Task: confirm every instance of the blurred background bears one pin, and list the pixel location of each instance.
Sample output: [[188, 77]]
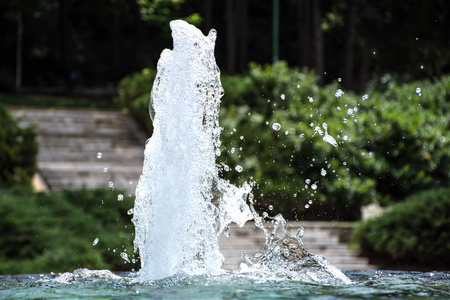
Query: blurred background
[[75, 78]]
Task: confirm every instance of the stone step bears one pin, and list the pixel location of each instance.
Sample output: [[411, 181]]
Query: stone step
[[70, 140], [320, 238]]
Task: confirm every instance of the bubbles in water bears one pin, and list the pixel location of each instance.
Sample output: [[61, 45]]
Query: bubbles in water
[[99, 155], [239, 168], [95, 242], [276, 126], [323, 172], [339, 93], [282, 96], [120, 197]]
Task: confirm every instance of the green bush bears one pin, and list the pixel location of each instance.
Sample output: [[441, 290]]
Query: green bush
[[134, 96], [18, 151], [415, 233], [391, 143], [55, 232]]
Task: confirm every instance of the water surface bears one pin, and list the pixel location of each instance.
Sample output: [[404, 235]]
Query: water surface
[[85, 284]]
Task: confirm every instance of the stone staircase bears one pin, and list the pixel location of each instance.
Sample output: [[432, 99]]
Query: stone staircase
[[71, 140], [322, 238]]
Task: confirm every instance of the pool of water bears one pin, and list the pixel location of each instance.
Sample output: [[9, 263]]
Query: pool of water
[[85, 284]]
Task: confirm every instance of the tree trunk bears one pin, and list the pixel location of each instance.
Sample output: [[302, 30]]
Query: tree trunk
[[349, 46], [317, 41], [304, 30], [243, 45], [231, 47], [208, 15], [141, 51], [63, 41], [19, 47]]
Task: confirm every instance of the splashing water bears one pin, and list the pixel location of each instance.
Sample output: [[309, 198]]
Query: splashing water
[[181, 204]]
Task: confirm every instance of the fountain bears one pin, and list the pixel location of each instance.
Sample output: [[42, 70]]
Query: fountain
[[182, 206]]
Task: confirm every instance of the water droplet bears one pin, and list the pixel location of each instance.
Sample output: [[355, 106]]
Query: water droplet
[[330, 140], [120, 197], [241, 137], [421, 67], [338, 108], [239, 168], [111, 184], [339, 79], [365, 97], [99, 155], [350, 112], [302, 135], [344, 120], [308, 181], [418, 91], [306, 205], [314, 186], [125, 257], [105, 170], [282, 96], [130, 211], [270, 207], [310, 99], [323, 172], [233, 150], [300, 232], [339, 93], [95, 242], [276, 126]]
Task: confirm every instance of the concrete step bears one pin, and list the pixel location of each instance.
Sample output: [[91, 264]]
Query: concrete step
[[320, 238], [70, 139]]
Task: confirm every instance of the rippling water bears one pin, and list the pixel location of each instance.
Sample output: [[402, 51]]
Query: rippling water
[[85, 284]]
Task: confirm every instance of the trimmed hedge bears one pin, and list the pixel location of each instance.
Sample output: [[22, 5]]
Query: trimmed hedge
[[391, 143], [55, 232], [18, 152], [414, 234]]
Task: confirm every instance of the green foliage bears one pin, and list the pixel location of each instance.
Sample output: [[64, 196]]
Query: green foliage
[[134, 96], [415, 232], [18, 151], [391, 143], [55, 232]]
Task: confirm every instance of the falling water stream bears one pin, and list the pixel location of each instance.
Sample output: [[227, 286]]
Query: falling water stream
[[182, 206]]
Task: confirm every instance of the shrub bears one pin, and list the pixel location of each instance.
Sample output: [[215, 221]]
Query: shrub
[[134, 96], [55, 232], [18, 151], [415, 232], [391, 143]]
